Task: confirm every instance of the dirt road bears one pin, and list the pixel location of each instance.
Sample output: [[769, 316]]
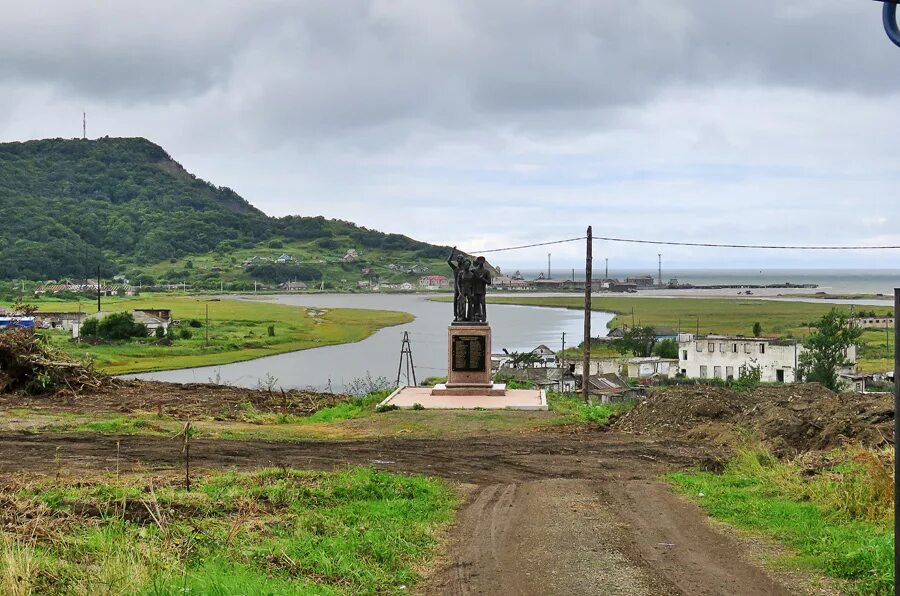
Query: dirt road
[[549, 512]]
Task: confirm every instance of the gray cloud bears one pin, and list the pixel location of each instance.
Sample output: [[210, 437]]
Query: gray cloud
[[697, 119]]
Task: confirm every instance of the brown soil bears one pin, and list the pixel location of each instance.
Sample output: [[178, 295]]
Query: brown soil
[[188, 401], [548, 512], [791, 418]]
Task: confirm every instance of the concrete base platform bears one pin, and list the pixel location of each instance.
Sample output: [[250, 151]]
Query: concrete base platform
[[514, 399], [460, 389]]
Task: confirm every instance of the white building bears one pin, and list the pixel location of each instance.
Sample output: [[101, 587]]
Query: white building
[[722, 357]]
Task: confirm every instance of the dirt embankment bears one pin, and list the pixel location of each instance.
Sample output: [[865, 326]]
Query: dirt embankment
[[188, 401], [791, 418]]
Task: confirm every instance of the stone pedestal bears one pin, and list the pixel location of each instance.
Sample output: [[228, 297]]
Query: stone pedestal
[[469, 361]]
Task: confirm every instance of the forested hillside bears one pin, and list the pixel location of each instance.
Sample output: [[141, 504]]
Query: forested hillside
[[71, 205]]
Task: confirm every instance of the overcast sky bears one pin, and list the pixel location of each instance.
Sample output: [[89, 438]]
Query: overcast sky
[[502, 122]]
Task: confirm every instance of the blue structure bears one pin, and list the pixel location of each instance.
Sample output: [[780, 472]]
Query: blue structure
[[10, 322], [889, 18]]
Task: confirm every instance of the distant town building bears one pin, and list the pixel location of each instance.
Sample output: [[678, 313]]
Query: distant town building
[[363, 284], [643, 281], [351, 256], [285, 258], [873, 322], [434, 282]]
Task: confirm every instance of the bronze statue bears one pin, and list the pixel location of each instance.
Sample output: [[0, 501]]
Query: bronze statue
[[470, 287], [482, 280]]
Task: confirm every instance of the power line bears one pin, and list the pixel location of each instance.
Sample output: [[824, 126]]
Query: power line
[[530, 245], [755, 246], [696, 244]]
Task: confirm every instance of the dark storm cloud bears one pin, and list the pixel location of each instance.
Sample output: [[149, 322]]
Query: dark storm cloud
[[352, 64]]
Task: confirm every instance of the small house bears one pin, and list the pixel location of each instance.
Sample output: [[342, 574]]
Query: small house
[[285, 258]]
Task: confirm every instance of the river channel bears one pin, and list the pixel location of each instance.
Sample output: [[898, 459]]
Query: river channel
[[515, 328]]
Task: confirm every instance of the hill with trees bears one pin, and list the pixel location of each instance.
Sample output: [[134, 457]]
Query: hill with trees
[[123, 204]]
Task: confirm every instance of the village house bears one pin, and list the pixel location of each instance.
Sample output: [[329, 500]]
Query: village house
[[546, 355], [723, 357], [611, 388], [363, 284], [350, 256], [433, 282], [598, 366], [293, 286], [650, 367], [285, 258]]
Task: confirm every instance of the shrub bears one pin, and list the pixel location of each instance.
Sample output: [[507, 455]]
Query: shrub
[[185, 333], [195, 323], [120, 325]]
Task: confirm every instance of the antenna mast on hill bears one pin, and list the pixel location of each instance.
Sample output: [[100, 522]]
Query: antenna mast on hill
[[406, 354], [83, 125]]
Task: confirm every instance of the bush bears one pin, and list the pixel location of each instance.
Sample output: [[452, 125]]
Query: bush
[[185, 333], [195, 323], [160, 332], [117, 326], [89, 328]]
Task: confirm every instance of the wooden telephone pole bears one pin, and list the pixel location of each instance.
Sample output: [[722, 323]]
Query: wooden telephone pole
[[586, 364]]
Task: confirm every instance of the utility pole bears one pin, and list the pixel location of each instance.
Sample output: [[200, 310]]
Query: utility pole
[[562, 354], [83, 125], [586, 362], [207, 324], [406, 354], [606, 273], [548, 265], [98, 289], [896, 406], [659, 255]]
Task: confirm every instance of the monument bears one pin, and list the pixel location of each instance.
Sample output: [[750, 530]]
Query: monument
[[469, 335], [469, 376]]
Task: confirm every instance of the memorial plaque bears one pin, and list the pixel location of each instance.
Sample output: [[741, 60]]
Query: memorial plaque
[[468, 353]]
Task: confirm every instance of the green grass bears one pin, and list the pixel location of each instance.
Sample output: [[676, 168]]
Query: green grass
[[838, 521], [273, 531], [238, 330], [573, 410]]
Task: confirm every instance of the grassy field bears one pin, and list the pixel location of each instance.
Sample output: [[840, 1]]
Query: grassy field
[[728, 316], [272, 531], [238, 330], [837, 519]]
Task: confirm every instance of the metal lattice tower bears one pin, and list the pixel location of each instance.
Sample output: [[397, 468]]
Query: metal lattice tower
[[407, 357]]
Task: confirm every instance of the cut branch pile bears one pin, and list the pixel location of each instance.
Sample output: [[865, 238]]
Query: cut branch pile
[[28, 363]]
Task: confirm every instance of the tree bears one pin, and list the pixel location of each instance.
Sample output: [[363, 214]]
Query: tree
[[639, 341], [523, 359], [757, 329], [826, 349], [667, 348]]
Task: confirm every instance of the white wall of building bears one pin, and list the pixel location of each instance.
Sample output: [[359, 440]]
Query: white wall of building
[[722, 357]]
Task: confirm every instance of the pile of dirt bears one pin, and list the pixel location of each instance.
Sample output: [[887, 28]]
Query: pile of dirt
[[791, 418], [29, 364], [184, 401]]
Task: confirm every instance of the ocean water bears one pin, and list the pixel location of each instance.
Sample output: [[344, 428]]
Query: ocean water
[[833, 281]]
